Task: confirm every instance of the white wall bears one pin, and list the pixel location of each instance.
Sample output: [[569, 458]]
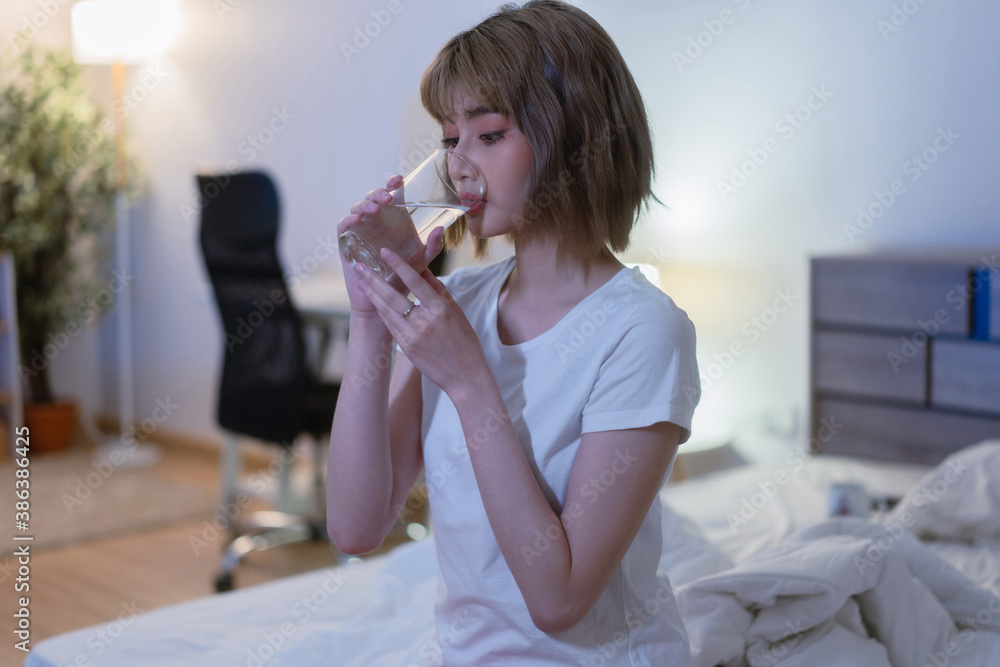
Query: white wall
[[725, 260]]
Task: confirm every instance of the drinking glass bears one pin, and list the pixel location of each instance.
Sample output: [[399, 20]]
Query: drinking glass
[[439, 191]]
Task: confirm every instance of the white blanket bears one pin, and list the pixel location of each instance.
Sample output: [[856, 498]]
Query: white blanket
[[849, 592], [881, 599]]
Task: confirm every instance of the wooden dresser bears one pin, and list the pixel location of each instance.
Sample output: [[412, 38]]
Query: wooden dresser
[[905, 353]]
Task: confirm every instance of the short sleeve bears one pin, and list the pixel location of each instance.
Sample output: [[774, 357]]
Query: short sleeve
[[650, 375]]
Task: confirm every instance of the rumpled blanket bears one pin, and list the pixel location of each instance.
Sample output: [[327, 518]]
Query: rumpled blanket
[[850, 592]]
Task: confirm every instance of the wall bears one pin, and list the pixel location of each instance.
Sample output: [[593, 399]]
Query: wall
[[774, 123]]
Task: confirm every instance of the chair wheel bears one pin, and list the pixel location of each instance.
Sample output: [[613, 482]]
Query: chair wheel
[[224, 582]]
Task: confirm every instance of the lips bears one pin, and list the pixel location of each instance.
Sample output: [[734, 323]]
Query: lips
[[474, 207]]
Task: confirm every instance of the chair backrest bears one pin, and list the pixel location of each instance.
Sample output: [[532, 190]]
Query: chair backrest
[[263, 384]]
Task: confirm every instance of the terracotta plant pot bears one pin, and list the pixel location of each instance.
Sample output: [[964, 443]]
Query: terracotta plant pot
[[51, 425]]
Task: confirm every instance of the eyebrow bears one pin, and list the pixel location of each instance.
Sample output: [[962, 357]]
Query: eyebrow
[[474, 112]]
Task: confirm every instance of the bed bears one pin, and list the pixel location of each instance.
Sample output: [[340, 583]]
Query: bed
[[762, 574], [781, 585]]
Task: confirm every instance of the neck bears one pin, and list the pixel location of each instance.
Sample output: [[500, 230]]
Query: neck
[[544, 273]]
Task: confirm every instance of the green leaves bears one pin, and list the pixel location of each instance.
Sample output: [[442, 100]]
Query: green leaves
[[56, 188]]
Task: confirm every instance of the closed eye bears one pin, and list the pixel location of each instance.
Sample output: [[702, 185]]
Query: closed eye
[[489, 139]]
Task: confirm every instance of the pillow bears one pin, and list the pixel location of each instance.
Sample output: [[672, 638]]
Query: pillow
[[959, 500]]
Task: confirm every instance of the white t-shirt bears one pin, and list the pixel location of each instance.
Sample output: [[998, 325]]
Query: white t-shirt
[[624, 357]]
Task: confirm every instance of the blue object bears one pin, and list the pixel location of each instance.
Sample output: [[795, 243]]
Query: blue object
[[980, 288]]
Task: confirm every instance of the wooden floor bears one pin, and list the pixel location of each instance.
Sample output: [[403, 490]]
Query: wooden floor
[[97, 582]]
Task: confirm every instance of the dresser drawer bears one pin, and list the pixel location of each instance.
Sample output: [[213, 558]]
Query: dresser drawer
[[896, 295], [870, 365], [966, 375], [853, 428]]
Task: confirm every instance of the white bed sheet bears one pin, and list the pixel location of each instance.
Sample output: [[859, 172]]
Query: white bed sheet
[[374, 612], [380, 611], [746, 509]]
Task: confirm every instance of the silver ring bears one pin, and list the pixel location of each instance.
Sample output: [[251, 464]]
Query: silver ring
[[412, 306]]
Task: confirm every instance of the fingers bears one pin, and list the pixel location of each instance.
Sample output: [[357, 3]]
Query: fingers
[[382, 195], [438, 235], [368, 207], [372, 203], [434, 245], [435, 283], [399, 196], [347, 222], [413, 280], [387, 300]]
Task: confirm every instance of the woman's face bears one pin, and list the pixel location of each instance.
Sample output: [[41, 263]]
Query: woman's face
[[503, 156]]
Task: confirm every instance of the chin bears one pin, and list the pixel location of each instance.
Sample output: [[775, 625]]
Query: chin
[[474, 225], [490, 224], [480, 226]]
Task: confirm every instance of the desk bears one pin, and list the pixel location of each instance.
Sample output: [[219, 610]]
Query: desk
[[322, 301], [323, 294]]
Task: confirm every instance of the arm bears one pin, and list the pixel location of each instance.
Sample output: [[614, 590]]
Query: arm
[[375, 453], [562, 564]]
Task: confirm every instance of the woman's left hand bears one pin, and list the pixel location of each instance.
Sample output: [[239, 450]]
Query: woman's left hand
[[435, 335]]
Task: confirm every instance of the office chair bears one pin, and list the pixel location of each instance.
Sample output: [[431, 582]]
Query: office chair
[[268, 390]]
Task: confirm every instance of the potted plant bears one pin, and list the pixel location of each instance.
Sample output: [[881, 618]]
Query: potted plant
[[57, 185]]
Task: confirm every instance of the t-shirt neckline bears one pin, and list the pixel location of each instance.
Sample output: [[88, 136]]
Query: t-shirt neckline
[[553, 331]]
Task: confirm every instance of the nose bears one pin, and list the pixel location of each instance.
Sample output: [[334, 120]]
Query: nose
[[467, 178]]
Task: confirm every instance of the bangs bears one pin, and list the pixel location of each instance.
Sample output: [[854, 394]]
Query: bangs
[[477, 64]]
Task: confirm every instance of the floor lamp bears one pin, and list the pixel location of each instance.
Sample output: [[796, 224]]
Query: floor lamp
[[120, 33]]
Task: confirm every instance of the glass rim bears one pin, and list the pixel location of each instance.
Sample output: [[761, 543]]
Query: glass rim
[[446, 178]]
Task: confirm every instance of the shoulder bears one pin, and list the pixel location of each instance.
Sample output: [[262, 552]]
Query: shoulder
[[643, 309]]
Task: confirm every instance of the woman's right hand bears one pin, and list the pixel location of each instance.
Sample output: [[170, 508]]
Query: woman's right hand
[[372, 206]]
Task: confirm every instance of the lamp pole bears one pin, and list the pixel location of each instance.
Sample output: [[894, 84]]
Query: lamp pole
[[118, 93], [115, 32], [136, 455], [124, 451]]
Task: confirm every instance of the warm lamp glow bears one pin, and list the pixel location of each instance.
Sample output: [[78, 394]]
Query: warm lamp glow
[[694, 208], [122, 31], [650, 272]]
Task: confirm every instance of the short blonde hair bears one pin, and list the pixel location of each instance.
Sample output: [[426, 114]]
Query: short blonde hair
[[557, 74]]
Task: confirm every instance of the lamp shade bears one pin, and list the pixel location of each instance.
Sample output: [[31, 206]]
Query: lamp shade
[[122, 31]]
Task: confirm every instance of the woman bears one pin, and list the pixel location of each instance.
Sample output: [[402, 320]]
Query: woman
[[545, 395]]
